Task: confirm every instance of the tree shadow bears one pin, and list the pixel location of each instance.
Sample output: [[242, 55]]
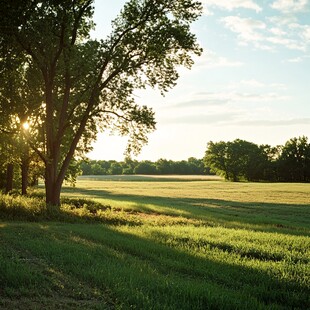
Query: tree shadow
[[270, 217], [139, 272]]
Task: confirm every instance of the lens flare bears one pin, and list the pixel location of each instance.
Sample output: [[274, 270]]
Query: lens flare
[[26, 126]]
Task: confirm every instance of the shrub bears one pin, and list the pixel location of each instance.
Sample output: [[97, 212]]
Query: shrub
[[21, 207]]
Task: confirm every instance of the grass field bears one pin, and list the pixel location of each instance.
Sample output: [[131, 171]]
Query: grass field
[[160, 243]]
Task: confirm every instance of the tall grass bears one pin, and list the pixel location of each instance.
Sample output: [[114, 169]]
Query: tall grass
[[21, 208]]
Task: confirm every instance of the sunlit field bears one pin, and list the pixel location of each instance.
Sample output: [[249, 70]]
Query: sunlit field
[[160, 243]]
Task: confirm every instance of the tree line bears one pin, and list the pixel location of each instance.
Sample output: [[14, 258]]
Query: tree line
[[192, 166], [242, 160], [237, 160]]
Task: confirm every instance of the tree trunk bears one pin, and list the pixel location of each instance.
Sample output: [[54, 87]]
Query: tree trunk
[[52, 188], [34, 181], [9, 177], [54, 171], [25, 170]]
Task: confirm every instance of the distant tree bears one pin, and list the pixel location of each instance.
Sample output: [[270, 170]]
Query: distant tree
[[96, 169], [252, 160], [294, 160], [181, 167], [74, 170], [236, 160], [270, 157], [86, 167], [235, 163], [164, 166], [145, 167], [116, 168], [216, 158], [128, 165], [105, 165], [196, 166], [128, 171]]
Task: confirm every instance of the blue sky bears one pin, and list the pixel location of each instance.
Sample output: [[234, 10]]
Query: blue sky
[[252, 81]]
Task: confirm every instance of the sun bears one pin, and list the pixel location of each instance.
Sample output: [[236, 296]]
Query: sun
[[26, 126]]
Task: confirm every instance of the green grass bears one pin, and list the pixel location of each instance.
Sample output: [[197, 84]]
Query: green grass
[[159, 243]]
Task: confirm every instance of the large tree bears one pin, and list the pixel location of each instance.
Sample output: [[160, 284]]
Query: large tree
[[88, 84], [236, 160]]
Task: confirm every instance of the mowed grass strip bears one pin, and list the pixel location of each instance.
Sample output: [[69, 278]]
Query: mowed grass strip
[[196, 255]]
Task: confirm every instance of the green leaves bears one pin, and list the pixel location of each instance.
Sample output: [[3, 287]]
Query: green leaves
[[241, 159], [151, 38], [237, 160], [89, 85], [294, 160]]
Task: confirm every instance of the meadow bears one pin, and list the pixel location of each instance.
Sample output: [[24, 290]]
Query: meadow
[[133, 242]]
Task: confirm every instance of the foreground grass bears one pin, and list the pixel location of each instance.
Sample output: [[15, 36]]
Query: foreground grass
[[160, 245]]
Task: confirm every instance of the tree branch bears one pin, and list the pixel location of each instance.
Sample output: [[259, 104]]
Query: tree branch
[[41, 155], [77, 21]]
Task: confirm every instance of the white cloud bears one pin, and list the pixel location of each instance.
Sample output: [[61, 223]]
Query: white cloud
[[255, 97], [275, 32], [249, 30], [290, 6], [217, 99], [282, 122], [288, 43], [232, 5], [290, 34], [306, 33], [209, 59], [282, 20], [298, 59], [237, 118], [303, 31], [201, 118], [278, 86], [253, 84]]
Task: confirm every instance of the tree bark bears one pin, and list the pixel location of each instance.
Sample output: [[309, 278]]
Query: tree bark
[[52, 190], [54, 175], [9, 177], [25, 170]]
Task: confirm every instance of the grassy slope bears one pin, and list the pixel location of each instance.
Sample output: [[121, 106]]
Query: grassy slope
[[187, 245]]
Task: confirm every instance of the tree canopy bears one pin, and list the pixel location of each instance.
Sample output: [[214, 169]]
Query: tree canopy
[[85, 85]]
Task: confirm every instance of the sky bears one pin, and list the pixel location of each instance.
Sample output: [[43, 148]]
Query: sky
[[252, 81]]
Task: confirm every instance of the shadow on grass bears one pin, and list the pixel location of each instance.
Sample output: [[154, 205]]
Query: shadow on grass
[[284, 218], [105, 268]]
